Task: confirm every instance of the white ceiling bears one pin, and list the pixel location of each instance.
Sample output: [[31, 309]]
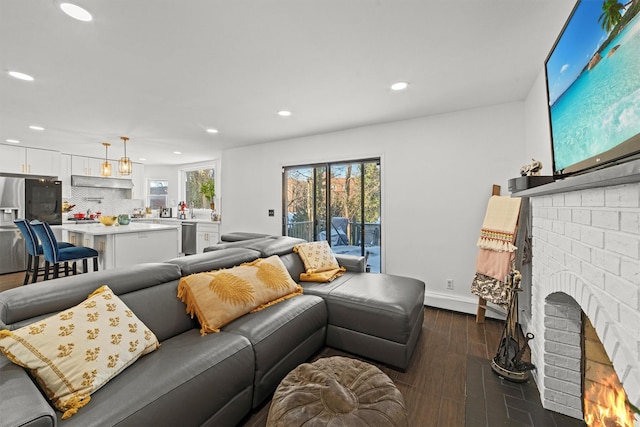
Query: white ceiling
[[162, 71]]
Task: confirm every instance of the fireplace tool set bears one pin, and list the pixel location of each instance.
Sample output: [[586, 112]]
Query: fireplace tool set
[[508, 361]]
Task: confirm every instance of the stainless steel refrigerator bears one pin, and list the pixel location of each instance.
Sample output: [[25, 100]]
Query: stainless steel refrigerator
[[12, 249]]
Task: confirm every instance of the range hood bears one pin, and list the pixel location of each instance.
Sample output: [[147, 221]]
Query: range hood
[[98, 182]]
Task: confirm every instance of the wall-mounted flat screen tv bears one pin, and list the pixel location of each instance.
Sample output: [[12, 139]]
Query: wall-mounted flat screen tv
[[593, 87]]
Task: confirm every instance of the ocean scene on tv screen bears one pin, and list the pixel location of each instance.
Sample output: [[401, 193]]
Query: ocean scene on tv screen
[[593, 78]]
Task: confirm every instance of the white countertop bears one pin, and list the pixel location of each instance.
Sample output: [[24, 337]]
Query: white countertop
[[101, 230], [143, 220]]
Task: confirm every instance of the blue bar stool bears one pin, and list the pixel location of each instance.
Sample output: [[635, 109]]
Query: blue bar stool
[[34, 250], [55, 255]]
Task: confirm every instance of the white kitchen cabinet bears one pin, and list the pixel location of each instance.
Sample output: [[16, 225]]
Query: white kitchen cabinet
[[207, 234], [141, 247], [163, 221], [120, 246], [30, 161], [65, 175], [88, 166], [137, 176]]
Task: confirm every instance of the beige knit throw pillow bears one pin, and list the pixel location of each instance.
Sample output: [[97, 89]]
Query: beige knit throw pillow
[[75, 352]]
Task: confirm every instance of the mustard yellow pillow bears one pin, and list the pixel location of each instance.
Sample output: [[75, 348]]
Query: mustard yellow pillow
[[221, 296], [75, 352], [319, 262]]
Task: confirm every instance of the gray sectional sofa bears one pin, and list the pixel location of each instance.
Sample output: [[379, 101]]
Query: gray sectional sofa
[[217, 379]]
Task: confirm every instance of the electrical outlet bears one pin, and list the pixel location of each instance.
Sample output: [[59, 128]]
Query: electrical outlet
[[450, 284]]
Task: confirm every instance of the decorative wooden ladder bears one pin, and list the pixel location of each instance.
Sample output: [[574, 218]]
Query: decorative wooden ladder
[[482, 303]]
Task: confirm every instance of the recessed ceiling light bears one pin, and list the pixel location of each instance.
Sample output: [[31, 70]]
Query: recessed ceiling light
[[76, 12], [142, 159], [36, 127], [212, 130], [21, 76], [284, 113], [13, 141], [177, 152], [399, 86]]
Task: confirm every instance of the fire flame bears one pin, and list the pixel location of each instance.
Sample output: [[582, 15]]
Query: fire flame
[[605, 405]]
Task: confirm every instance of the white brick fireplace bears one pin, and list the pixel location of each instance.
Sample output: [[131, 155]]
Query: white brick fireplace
[[586, 257]]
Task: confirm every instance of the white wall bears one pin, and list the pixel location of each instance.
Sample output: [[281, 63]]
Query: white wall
[[437, 174], [169, 173], [537, 130]]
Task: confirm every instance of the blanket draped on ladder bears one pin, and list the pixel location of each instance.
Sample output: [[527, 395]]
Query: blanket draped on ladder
[[497, 250]]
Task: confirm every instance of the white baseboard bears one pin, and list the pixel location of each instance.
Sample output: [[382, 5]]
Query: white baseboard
[[467, 305]]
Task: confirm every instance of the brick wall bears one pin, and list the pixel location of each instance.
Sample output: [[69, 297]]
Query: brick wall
[[586, 256]]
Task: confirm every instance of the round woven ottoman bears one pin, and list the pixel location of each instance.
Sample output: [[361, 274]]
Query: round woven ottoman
[[337, 391]]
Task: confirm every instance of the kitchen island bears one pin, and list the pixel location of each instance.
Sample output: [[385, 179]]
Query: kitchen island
[[124, 245]]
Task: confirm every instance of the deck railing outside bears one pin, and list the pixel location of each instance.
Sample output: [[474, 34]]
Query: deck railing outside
[[353, 236]]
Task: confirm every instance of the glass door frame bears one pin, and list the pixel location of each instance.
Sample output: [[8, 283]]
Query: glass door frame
[[317, 227]]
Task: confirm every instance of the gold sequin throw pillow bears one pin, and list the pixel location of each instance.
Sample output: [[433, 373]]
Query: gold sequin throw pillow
[[75, 352]]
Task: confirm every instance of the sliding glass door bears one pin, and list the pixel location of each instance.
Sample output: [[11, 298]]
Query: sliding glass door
[[338, 202]]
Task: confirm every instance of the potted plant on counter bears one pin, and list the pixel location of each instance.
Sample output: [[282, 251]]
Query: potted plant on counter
[[208, 190]]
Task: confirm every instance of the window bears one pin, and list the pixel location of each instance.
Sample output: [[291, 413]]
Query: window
[[193, 180], [158, 194], [338, 202]]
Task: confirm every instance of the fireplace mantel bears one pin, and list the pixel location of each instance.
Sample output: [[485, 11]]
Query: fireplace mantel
[[585, 240], [625, 173]]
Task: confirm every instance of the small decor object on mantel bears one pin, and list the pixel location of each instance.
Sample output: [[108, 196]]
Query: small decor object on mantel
[[532, 169], [529, 177]]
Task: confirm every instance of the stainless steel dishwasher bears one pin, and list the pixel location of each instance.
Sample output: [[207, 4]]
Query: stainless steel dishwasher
[[189, 238]]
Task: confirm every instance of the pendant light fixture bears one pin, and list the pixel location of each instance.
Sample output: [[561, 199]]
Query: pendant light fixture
[[105, 168], [124, 164]]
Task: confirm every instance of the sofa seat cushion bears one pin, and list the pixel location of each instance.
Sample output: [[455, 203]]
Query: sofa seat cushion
[[379, 305], [184, 382], [75, 352], [282, 336]]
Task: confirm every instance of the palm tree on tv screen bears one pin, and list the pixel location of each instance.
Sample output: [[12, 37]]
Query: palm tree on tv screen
[[611, 14]]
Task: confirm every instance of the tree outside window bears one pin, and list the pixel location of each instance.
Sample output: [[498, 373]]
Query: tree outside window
[[193, 181]]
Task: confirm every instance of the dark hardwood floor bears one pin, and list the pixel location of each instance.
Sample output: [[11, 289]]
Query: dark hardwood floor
[[12, 280], [434, 384]]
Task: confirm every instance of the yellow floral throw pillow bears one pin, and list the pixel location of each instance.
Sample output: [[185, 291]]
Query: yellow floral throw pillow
[[75, 352], [319, 262], [221, 296]]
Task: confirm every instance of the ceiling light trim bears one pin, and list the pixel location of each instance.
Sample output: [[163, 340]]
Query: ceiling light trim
[[21, 76], [76, 12], [399, 86]]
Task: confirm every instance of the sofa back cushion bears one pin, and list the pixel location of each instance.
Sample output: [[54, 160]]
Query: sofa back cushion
[[277, 246], [293, 263], [160, 309], [213, 260], [25, 304]]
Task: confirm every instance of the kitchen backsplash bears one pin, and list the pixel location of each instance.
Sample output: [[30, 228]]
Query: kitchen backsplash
[[108, 201]]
